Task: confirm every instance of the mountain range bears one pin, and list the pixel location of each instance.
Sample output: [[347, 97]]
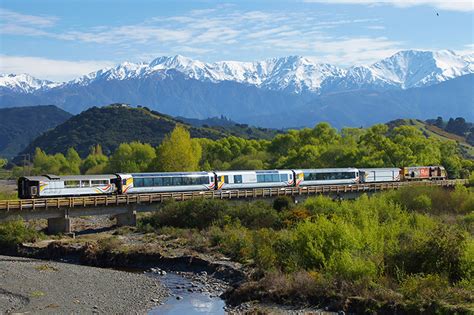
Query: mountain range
[[291, 91]]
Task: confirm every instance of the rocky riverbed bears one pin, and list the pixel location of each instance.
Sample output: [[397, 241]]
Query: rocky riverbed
[[44, 287]]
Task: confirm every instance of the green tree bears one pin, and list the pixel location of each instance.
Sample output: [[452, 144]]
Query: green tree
[[178, 152], [95, 162], [3, 162], [133, 157], [73, 161]]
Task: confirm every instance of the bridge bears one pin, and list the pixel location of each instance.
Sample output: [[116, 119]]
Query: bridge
[[58, 211]]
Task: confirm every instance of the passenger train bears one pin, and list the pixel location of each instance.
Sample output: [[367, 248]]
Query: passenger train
[[135, 183]]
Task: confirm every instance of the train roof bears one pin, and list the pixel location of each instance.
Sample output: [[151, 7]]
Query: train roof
[[48, 177], [251, 172], [380, 169], [169, 174], [324, 170]]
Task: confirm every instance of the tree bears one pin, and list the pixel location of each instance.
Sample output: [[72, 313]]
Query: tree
[[73, 161], [3, 162], [95, 162], [133, 157], [178, 152]]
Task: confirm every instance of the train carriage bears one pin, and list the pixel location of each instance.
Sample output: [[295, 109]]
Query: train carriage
[[165, 182], [328, 176], [379, 175], [70, 185], [254, 179]]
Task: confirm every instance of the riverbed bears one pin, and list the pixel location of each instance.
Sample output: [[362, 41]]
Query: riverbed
[[45, 287]]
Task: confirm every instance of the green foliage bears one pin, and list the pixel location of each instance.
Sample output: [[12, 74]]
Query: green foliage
[[177, 153], [3, 162], [188, 214], [95, 162], [133, 157], [282, 203], [57, 163], [16, 232]]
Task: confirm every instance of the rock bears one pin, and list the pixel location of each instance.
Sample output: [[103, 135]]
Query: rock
[[179, 297]]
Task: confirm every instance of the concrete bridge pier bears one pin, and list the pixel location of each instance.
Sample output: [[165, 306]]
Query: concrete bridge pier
[[59, 225], [127, 219]]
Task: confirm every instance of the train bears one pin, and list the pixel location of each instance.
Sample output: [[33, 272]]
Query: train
[[46, 186]]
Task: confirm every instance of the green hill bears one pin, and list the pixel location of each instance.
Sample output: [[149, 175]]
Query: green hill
[[118, 123], [20, 125], [430, 130]]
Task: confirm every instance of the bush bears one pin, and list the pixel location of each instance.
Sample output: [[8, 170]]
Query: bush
[[199, 214], [282, 203], [439, 252], [254, 215], [16, 232]]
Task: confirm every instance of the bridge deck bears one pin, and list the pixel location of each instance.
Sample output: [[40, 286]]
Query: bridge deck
[[141, 199]]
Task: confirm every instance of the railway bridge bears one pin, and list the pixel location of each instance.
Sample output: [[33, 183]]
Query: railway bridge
[[59, 211]]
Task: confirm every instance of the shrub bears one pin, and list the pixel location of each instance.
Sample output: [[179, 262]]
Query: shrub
[[255, 215], [199, 214], [235, 241], [16, 232], [424, 289], [439, 252], [282, 203]]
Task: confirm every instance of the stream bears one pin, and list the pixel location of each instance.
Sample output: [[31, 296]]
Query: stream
[[188, 296]]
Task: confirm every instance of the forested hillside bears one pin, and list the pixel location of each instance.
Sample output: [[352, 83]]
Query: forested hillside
[[112, 125], [20, 125]]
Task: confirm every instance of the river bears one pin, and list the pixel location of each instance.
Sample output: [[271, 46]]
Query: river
[[187, 297]]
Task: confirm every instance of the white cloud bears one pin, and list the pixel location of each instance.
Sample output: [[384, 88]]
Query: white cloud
[[51, 69], [23, 19], [456, 5], [219, 33]]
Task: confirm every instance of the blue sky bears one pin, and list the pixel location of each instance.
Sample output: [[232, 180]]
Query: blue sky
[[61, 40]]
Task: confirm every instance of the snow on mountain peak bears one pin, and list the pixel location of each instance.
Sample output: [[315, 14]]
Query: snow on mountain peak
[[294, 74], [24, 83]]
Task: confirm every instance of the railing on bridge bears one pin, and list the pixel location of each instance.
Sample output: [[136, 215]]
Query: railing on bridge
[[118, 200]]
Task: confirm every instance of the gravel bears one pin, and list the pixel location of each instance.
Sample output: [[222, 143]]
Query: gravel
[[44, 287]]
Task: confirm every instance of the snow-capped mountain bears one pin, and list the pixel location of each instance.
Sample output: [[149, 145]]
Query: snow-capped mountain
[[408, 69], [294, 74], [24, 83]]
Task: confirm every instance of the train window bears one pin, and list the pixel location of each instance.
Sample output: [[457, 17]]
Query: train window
[[166, 181], [85, 183], [283, 177], [176, 181], [187, 180], [148, 182], [96, 183], [157, 181], [291, 176], [226, 179], [275, 178], [237, 179], [203, 180], [267, 178], [138, 182], [260, 178], [71, 183]]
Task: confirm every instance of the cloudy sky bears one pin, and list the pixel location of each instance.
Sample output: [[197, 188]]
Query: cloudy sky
[[60, 40]]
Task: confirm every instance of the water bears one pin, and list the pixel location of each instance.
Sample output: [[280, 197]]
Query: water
[[191, 302]]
